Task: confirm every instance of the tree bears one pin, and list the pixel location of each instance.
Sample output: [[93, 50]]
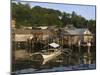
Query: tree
[[92, 26], [39, 16], [66, 19], [78, 20]]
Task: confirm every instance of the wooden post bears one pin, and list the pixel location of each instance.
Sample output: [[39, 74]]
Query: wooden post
[[79, 44], [89, 53], [30, 41], [85, 59]]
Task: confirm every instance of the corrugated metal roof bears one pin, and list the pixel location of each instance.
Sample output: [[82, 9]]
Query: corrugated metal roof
[[22, 31], [29, 31], [76, 31]]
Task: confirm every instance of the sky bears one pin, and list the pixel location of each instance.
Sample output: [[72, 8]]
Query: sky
[[86, 11]]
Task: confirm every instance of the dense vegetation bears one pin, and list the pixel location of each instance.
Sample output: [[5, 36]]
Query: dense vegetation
[[39, 16]]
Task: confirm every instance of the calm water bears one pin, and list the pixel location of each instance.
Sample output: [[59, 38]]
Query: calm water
[[58, 69], [26, 67]]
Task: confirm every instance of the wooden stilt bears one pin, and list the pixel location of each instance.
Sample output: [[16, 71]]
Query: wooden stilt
[[89, 53]]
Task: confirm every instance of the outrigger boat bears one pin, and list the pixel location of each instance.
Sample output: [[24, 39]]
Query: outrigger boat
[[41, 58]]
